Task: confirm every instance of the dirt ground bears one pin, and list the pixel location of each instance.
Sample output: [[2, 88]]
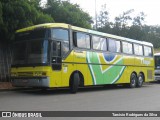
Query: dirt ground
[[5, 85]]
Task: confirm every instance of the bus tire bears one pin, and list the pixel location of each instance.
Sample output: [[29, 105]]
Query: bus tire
[[140, 80], [74, 83], [133, 80]]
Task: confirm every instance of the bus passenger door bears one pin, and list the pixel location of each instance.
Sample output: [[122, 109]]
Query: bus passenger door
[[56, 62]]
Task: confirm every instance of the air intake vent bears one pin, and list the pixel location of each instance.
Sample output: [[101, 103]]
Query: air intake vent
[[149, 74]]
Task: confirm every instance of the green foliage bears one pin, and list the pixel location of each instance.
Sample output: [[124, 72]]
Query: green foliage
[[123, 20], [1, 21], [16, 14], [19, 14], [103, 17], [63, 11], [132, 27], [139, 19]]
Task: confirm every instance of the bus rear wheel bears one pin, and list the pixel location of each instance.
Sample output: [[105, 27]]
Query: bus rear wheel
[[74, 83], [140, 80], [133, 80]]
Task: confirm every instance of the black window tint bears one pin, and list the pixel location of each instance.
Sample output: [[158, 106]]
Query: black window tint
[[32, 34], [157, 62], [54, 49], [148, 51], [112, 45], [30, 52], [60, 34], [83, 40], [19, 52], [59, 48]]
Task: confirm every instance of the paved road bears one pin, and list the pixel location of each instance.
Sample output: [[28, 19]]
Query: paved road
[[118, 98]]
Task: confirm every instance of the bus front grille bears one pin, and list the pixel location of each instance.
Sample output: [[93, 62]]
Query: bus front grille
[[25, 74]]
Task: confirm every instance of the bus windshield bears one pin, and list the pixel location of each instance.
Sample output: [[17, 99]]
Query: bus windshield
[[157, 62], [30, 50]]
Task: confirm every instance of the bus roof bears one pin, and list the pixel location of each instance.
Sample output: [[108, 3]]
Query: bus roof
[[45, 25], [64, 25], [111, 36]]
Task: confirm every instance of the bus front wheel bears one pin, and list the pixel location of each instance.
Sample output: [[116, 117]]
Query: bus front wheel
[[133, 80], [74, 83]]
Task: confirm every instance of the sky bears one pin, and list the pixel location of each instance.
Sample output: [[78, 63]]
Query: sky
[[151, 8]]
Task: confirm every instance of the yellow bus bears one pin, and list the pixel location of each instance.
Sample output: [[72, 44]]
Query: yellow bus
[[55, 55]]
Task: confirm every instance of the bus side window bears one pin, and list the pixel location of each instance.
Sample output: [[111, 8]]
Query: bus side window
[[111, 45], [138, 49], [148, 51], [56, 55], [103, 44], [65, 48], [81, 40], [62, 35], [56, 49], [118, 46], [96, 42], [127, 48], [114, 45], [99, 43]]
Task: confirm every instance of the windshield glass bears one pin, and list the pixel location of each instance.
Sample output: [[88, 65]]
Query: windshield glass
[[30, 52], [31, 35], [157, 62], [30, 48]]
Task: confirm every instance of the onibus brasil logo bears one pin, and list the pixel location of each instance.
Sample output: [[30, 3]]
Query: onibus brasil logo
[[21, 114]]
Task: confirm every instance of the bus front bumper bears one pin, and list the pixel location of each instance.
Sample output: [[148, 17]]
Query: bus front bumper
[[31, 82]]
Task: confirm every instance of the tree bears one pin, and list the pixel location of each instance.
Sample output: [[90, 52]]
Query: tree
[[20, 14], [152, 34], [139, 19], [1, 21], [122, 23], [135, 32], [103, 17], [63, 11], [123, 20]]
